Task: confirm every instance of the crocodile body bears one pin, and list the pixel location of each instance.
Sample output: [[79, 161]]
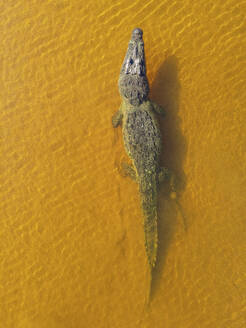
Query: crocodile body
[[142, 137]]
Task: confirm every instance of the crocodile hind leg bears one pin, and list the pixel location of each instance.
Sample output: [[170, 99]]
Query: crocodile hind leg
[[129, 170], [164, 174]]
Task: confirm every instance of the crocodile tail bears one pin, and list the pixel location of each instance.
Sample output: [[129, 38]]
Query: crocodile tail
[[149, 205]]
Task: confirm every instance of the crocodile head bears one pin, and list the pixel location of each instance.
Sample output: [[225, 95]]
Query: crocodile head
[[133, 82]]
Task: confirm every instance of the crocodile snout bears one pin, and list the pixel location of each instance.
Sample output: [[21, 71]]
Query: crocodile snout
[[133, 82], [137, 34], [134, 63]]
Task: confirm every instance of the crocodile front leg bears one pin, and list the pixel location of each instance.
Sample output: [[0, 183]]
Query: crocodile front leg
[[117, 118], [157, 108]]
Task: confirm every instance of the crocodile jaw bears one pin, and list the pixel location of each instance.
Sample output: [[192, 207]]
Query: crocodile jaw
[[133, 82]]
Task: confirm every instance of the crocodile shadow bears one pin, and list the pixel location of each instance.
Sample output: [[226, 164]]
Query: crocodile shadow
[[165, 91]]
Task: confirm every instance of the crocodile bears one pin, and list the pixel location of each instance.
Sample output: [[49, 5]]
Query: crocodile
[[142, 137]]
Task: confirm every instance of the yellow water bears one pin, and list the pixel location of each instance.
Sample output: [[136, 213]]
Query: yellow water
[[72, 245]]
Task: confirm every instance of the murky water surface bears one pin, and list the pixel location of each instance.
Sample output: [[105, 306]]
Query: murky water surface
[[72, 244]]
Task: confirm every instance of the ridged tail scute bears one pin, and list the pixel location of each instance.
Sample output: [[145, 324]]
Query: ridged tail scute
[[149, 205]]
